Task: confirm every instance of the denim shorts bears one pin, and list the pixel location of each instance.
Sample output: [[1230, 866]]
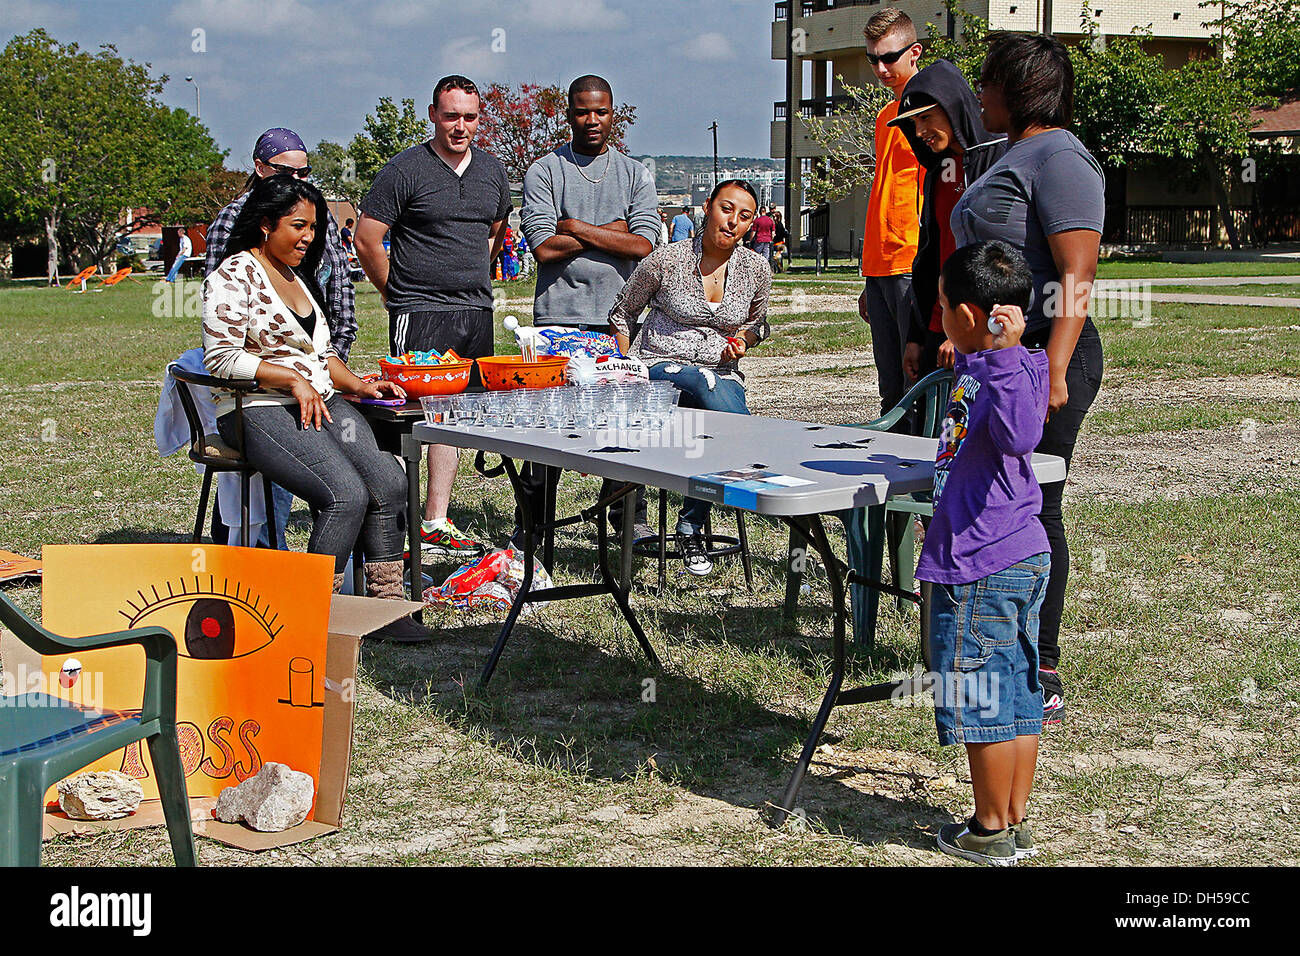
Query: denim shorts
[[984, 652]]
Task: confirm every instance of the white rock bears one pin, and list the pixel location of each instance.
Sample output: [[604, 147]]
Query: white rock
[[99, 795], [278, 798]]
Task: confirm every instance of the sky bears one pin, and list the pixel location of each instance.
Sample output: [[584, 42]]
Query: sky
[[318, 66]]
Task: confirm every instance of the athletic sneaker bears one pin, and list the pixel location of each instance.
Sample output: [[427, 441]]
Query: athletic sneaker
[[1053, 696], [1024, 837], [694, 553], [446, 538], [997, 849]]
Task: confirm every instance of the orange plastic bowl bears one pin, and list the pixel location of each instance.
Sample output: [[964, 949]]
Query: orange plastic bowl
[[503, 372], [447, 379]]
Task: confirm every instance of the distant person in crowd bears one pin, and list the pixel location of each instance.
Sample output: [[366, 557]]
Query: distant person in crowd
[[683, 225], [940, 117], [444, 205], [763, 232], [707, 304], [780, 242], [281, 151], [663, 230], [345, 235], [1046, 197], [889, 236], [183, 252], [262, 320], [590, 214]]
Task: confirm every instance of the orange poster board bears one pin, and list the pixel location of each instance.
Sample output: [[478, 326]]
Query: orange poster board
[[16, 566], [250, 627]]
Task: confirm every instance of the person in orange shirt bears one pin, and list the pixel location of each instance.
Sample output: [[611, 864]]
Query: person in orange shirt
[[889, 238]]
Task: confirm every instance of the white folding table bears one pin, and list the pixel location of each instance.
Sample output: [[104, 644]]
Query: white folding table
[[810, 470]]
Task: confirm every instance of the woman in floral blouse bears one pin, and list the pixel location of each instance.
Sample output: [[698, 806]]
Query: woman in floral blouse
[[708, 306]]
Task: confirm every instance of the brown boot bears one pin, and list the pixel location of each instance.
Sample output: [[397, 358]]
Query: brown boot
[[384, 580]]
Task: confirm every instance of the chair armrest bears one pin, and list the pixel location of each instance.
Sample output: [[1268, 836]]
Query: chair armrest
[[913, 397], [158, 644], [156, 641], [245, 385]]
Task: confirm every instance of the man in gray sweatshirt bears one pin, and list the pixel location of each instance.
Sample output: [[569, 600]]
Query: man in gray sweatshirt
[[590, 214]]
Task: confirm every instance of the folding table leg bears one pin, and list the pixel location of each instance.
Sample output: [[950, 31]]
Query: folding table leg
[[620, 593], [626, 532], [793, 578], [815, 530], [663, 538], [411, 449], [743, 539]]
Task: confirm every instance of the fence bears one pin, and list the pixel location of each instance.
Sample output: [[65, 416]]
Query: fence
[[1193, 225]]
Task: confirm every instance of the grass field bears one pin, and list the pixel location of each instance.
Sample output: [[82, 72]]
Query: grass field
[[1181, 662]]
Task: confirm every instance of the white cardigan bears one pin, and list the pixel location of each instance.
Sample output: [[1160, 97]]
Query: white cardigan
[[245, 323]]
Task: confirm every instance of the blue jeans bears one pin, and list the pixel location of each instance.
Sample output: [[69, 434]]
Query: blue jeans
[[356, 491], [727, 395], [984, 651]]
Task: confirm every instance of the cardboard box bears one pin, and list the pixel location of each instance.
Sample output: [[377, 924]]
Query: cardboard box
[[351, 619]]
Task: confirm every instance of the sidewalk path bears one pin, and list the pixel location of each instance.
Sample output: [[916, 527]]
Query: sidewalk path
[[1120, 289]]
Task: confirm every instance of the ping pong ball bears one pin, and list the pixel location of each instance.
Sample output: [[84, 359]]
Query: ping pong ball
[[511, 323]]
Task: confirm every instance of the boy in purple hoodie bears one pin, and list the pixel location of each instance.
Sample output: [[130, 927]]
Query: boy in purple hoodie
[[986, 552]]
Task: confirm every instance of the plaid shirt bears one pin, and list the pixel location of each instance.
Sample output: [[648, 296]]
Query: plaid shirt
[[333, 275]]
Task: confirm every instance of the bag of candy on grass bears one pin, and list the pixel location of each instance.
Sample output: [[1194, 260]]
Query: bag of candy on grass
[[491, 582]]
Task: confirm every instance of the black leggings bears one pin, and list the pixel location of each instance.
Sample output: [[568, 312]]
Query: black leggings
[[1083, 379], [355, 490]]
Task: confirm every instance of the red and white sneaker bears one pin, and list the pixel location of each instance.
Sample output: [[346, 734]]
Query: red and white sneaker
[[447, 539]]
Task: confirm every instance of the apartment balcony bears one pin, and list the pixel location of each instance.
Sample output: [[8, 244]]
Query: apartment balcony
[[820, 106]]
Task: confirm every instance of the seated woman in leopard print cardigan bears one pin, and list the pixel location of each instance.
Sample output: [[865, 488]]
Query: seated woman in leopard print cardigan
[[262, 320], [708, 306]]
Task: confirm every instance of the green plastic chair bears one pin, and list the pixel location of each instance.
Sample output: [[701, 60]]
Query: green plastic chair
[[44, 739], [868, 529]]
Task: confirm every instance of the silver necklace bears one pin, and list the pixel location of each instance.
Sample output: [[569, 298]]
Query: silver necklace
[[583, 172]]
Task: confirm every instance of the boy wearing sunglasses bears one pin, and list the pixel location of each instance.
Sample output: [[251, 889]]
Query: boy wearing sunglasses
[[889, 238]]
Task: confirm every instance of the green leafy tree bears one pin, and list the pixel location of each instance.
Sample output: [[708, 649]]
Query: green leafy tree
[[334, 171], [966, 51], [346, 172], [1261, 43], [848, 137], [83, 138]]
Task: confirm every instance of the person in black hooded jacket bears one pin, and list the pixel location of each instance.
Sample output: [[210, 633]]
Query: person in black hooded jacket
[[940, 116]]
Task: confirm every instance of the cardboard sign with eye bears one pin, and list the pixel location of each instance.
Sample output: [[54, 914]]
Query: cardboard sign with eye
[[250, 627]]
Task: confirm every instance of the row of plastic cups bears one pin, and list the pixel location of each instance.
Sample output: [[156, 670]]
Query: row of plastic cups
[[584, 407]]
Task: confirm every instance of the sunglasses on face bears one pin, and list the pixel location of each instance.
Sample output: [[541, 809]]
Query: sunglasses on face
[[873, 58], [302, 172]]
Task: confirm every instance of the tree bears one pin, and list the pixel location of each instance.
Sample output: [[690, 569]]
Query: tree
[[335, 172], [346, 172], [83, 137], [1260, 40], [1129, 109], [520, 124], [202, 193], [849, 138]]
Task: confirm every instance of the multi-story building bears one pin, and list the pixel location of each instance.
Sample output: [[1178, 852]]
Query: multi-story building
[[829, 46]]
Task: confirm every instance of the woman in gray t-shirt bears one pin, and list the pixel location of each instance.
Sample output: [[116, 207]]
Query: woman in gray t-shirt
[[1046, 196]]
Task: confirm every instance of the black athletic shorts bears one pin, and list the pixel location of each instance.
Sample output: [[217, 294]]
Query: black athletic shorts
[[468, 331]]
